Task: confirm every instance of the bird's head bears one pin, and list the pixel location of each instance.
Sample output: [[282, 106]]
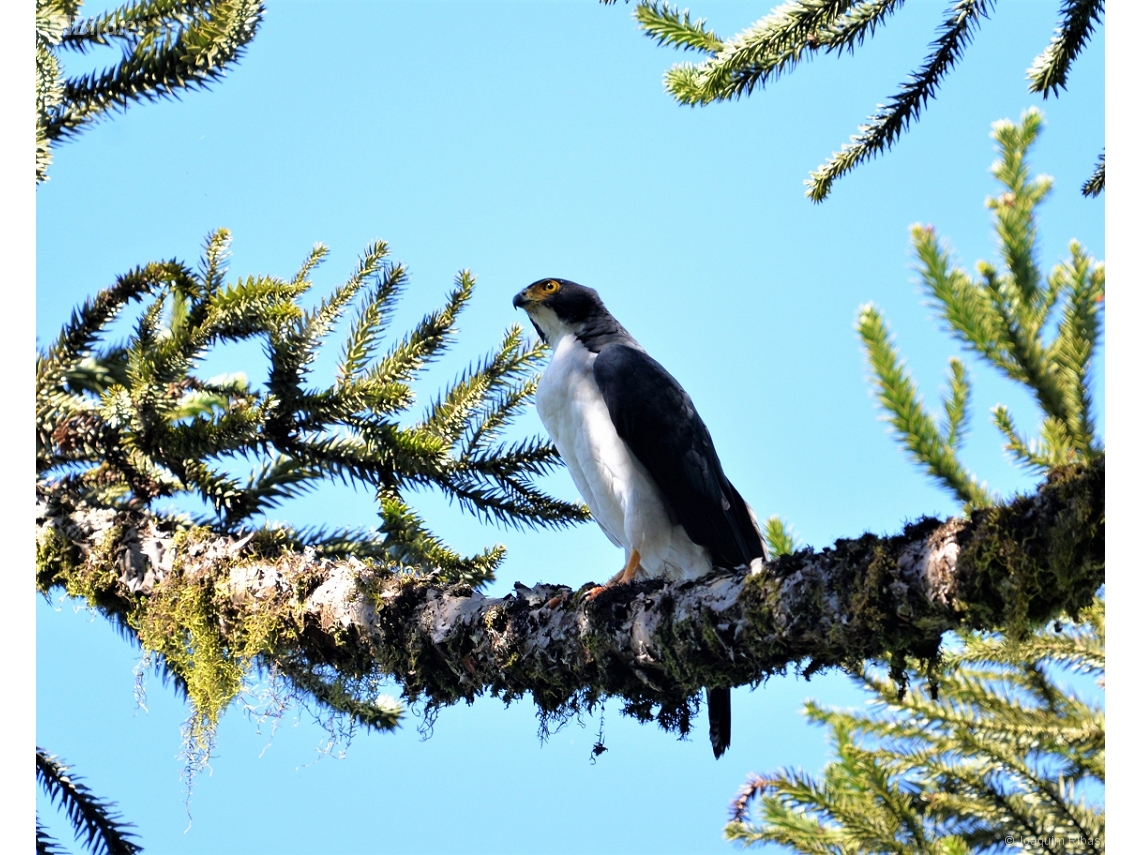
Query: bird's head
[[559, 306]]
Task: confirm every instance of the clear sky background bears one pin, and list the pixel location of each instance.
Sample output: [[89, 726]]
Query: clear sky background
[[524, 140]]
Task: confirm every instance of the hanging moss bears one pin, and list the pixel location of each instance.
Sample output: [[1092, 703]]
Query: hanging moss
[[179, 625], [205, 638]]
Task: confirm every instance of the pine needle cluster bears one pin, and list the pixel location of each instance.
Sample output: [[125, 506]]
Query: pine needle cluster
[[95, 823], [167, 46], [1039, 331], [993, 754], [797, 30], [780, 537], [126, 424]]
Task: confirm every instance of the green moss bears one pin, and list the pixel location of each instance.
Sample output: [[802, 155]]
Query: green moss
[[56, 558], [1020, 569], [178, 624], [211, 644], [495, 619], [95, 578], [874, 623]]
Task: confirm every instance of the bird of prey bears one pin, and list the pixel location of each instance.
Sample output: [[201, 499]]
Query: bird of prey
[[639, 454]]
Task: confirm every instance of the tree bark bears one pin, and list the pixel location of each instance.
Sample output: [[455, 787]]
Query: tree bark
[[653, 644]]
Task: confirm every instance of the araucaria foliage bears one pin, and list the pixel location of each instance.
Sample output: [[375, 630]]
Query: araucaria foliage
[[1040, 331], [94, 821], [995, 754], [797, 30], [167, 46], [132, 425]]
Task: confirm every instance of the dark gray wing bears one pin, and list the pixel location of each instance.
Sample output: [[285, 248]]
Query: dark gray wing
[[658, 422]]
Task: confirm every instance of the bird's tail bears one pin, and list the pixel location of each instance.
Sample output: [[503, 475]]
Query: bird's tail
[[720, 720]]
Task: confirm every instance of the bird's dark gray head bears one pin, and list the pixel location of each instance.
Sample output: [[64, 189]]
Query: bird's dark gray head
[[558, 306], [571, 302]]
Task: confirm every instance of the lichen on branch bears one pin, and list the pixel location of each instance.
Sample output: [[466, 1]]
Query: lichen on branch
[[335, 627]]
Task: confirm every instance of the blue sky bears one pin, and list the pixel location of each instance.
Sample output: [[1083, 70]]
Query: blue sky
[[523, 140]]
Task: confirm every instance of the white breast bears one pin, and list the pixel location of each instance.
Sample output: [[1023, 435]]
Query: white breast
[[620, 493]]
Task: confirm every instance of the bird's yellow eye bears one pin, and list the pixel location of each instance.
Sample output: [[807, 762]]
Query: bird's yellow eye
[[550, 287]]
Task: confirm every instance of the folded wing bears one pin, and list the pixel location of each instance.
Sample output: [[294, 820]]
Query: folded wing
[[656, 419]]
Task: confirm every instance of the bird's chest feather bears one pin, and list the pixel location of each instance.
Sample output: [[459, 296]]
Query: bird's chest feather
[[575, 414], [568, 398]]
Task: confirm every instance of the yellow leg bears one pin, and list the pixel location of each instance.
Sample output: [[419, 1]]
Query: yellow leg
[[623, 577]]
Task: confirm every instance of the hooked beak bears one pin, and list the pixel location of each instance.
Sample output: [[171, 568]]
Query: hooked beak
[[520, 300]]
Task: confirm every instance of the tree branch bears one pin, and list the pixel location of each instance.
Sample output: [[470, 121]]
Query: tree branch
[[653, 644]]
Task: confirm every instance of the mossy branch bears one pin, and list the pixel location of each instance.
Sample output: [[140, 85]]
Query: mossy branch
[[652, 644]]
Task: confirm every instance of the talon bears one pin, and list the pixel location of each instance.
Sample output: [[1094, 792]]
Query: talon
[[623, 577]]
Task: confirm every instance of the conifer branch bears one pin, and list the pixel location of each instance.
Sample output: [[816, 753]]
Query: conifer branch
[[799, 29], [167, 46], [992, 747], [81, 333], [130, 21], [934, 448], [1003, 317], [967, 309], [1050, 70], [96, 825], [653, 644], [753, 57], [956, 405], [1026, 451], [130, 424], [670, 26], [849, 31], [888, 124], [160, 63], [45, 843], [1095, 185], [779, 537], [379, 713]]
